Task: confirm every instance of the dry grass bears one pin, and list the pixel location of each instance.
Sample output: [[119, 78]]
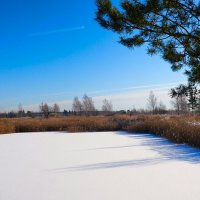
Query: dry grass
[[176, 128], [71, 124], [6, 126]]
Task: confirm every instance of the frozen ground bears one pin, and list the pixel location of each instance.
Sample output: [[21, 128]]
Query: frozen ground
[[97, 166]]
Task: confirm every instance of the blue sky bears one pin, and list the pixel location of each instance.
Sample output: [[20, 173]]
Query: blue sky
[[51, 51]]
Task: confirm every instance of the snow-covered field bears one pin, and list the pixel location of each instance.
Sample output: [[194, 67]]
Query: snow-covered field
[[97, 166]]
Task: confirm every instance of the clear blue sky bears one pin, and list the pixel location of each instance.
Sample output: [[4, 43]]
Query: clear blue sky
[[53, 50]]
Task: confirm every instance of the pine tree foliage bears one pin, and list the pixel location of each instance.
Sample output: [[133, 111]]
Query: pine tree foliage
[[191, 92], [170, 28]]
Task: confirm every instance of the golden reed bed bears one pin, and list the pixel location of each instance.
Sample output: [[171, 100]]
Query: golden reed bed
[[180, 129]]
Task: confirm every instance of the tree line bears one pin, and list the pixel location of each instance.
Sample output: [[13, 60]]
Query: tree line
[[181, 104], [79, 107], [86, 106]]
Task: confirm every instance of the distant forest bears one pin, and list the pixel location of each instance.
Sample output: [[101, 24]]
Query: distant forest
[[180, 104]]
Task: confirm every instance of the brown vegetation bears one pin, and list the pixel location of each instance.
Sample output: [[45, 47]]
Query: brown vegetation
[[181, 129], [70, 124], [178, 129]]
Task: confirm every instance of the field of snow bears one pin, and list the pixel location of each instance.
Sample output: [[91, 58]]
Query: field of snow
[[97, 166]]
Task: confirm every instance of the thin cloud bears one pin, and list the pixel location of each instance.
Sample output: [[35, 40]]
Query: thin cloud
[[64, 30], [122, 98], [120, 101], [69, 95], [138, 99], [117, 90], [165, 85]]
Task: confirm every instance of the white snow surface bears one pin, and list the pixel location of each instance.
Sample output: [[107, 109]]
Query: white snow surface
[[97, 166]]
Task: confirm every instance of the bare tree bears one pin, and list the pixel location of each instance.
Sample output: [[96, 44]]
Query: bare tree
[[184, 104], [45, 109], [20, 110], [161, 108], [88, 105], [56, 109], [77, 106], [152, 102], [107, 106], [180, 104]]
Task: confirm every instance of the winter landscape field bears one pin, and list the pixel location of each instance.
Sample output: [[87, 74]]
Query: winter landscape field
[[100, 100], [96, 166]]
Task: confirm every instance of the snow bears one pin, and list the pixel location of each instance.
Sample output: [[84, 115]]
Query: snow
[[97, 166], [195, 123]]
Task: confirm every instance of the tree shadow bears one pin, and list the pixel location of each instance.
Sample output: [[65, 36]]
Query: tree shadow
[[166, 150]]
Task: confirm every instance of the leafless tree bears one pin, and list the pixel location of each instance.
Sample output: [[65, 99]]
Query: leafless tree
[[180, 104], [56, 109], [152, 102], [45, 109], [20, 110], [107, 106], [77, 106], [161, 108], [88, 105]]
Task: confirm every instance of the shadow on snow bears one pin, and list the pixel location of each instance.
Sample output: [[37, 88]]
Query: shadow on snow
[[167, 150]]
